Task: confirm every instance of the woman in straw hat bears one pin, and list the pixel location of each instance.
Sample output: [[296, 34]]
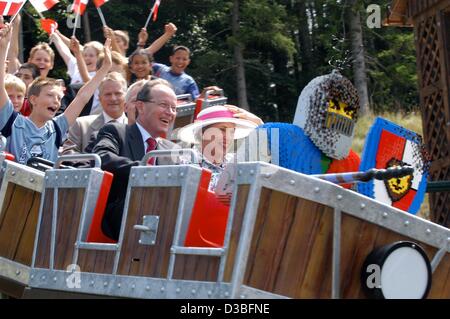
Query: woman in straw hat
[[213, 135]]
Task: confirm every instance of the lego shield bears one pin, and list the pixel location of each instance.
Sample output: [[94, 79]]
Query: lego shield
[[388, 145]]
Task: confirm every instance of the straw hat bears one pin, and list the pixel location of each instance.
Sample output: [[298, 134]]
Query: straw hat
[[213, 115]]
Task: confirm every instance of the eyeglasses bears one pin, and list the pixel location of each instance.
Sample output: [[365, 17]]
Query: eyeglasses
[[164, 105]]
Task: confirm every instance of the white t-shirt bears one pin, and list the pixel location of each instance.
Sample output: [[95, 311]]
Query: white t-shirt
[[75, 78]]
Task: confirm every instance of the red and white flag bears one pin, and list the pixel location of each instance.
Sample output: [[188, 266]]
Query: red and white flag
[[99, 3], [10, 7], [155, 9], [43, 5], [79, 6]]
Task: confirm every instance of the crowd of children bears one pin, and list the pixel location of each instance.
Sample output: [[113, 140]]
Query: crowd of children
[[36, 111]]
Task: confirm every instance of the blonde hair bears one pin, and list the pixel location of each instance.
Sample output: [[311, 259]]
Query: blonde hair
[[13, 82], [44, 47], [123, 35], [97, 46]]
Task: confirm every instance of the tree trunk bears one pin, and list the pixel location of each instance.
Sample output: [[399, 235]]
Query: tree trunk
[[359, 64], [305, 50], [239, 60]]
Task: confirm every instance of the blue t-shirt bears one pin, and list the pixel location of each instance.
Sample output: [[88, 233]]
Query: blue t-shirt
[[182, 83], [26, 140]]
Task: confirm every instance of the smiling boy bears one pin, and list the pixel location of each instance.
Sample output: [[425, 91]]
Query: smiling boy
[[41, 134], [182, 82]]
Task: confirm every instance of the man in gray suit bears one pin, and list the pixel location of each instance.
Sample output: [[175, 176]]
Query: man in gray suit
[[112, 92], [121, 146]]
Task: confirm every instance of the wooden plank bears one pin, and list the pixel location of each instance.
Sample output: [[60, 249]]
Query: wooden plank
[[96, 261], [18, 205], [70, 203], [440, 287], [203, 268], [150, 260], [45, 229], [241, 202], [287, 233], [24, 252]]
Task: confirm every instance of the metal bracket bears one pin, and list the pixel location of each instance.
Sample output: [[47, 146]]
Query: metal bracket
[[149, 230]]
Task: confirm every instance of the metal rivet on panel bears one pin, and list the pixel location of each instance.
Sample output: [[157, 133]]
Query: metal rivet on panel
[[133, 175], [316, 189], [242, 296], [339, 197], [226, 294], [267, 175], [177, 290], [181, 174], [252, 172], [292, 182], [31, 180], [76, 177], [385, 215], [147, 288], [55, 279], [363, 206], [169, 175], [157, 175], [209, 292], [43, 278], [119, 285], [92, 283], [406, 223], [17, 272], [163, 289], [240, 172], [145, 175], [133, 286], [85, 177], [105, 283], [428, 231], [66, 177], [13, 173], [194, 291]]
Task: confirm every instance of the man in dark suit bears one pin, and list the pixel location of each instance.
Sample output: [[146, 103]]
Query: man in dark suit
[[121, 147]]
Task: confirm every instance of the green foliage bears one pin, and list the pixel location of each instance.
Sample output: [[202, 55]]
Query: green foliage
[[286, 44]]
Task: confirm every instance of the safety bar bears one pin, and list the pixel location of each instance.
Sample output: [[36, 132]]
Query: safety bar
[[79, 158], [43, 164], [174, 152]]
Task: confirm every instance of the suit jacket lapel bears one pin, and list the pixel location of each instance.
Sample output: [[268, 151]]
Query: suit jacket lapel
[[135, 143]]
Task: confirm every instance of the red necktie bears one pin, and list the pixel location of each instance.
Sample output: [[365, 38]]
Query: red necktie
[[151, 146]]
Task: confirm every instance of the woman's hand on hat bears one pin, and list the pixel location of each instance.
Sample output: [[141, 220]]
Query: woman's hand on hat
[[243, 114]]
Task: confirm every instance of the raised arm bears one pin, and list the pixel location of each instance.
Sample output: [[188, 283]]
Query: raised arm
[[61, 46], [109, 33], [13, 53], [169, 30], [85, 93], [5, 38], [81, 64]]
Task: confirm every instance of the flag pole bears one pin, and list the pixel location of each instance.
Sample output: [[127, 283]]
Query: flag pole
[[77, 17], [102, 17], [149, 17], [12, 19]]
